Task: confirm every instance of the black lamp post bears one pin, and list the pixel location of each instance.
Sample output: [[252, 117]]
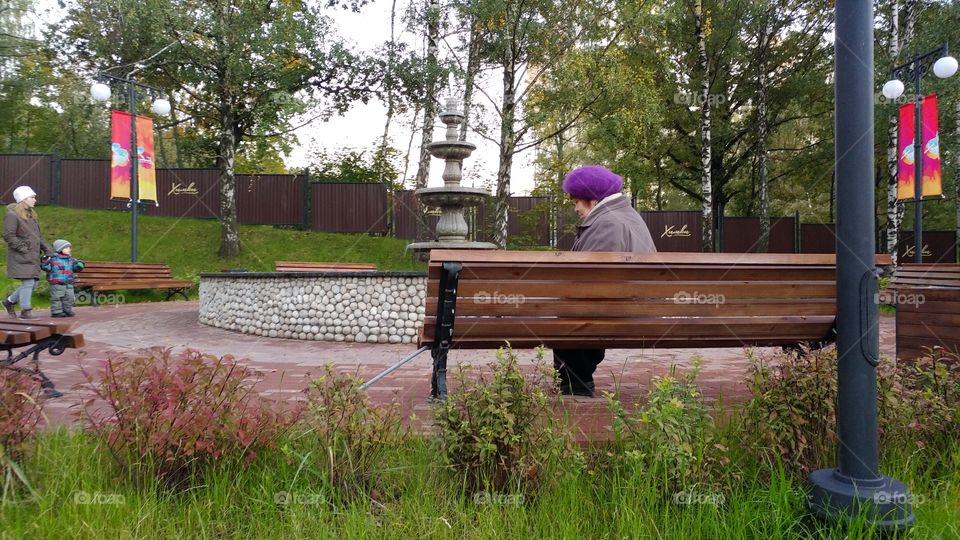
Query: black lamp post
[[855, 486], [100, 91], [944, 66]]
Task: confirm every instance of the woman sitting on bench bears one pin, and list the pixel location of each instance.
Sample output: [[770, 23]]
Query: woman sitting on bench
[[609, 223]]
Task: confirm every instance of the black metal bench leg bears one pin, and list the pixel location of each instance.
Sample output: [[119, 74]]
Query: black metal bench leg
[[438, 382], [172, 292]]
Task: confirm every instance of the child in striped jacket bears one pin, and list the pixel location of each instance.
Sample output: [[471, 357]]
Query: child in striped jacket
[[60, 268]]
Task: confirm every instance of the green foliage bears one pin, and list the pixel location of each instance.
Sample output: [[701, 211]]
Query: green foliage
[[791, 415], [498, 432], [671, 436], [348, 165], [347, 436], [920, 400]]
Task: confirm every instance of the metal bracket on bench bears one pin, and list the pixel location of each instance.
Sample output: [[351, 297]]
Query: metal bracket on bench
[[182, 291], [55, 348], [446, 308]]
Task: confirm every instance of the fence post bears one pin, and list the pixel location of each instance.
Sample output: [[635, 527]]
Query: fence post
[[55, 164], [796, 232], [307, 200]]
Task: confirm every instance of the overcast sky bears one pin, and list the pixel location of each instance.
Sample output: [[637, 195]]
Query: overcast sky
[[362, 126]]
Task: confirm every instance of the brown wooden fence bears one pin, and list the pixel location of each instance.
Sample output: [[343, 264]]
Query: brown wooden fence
[[32, 170], [362, 208]]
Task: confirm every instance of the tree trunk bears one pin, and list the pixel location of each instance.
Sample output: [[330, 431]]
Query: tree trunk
[[385, 139], [507, 146], [763, 245], [226, 154], [429, 111], [894, 210], [956, 172], [473, 63], [659, 168], [705, 149]]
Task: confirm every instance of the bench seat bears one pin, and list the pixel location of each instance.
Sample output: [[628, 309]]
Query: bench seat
[[118, 276], [927, 298], [486, 299], [34, 337]]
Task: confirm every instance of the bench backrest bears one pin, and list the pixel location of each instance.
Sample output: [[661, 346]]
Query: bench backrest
[[293, 266], [98, 272], [914, 276], [634, 300]]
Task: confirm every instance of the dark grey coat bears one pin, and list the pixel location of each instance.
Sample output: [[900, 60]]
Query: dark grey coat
[[24, 245], [614, 226]]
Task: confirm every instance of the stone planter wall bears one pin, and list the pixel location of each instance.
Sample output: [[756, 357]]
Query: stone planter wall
[[378, 307]]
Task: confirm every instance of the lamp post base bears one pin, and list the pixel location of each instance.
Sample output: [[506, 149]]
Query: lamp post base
[[886, 501]]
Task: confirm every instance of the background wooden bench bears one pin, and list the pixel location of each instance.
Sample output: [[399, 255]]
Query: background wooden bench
[[120, 276], [36, 337], [483, 299], [288, 266], [927, 297]]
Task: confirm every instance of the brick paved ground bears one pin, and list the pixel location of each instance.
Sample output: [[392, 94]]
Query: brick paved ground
[[287, 363]]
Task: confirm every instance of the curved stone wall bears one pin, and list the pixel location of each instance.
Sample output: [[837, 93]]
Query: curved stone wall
[[380, 307]]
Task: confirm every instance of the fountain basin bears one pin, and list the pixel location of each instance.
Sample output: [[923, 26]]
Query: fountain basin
[[452, 196], [363, 307], [455, 150]]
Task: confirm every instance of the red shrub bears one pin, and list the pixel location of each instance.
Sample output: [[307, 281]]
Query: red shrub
[[174, 417], [20, 414]]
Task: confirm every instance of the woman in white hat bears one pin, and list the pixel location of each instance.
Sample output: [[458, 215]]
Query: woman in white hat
[[25, 246]]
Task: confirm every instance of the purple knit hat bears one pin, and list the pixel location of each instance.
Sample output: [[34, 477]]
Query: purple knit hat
[[592, 182]]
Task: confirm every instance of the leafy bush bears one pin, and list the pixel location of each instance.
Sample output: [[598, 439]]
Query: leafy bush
[[349, 437], [920, 399], [791, 416], [173, 418], [20, 416], [670, 436], [498, 430]]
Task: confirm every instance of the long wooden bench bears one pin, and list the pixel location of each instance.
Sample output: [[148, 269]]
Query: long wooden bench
[[121, 276], [485, 299], [927, 297], [292, 266], [35, 337]]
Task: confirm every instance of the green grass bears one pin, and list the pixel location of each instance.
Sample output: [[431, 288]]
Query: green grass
[[190, 246], [423, 500]]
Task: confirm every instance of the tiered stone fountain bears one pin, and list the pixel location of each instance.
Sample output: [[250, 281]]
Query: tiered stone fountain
[[452, 198]]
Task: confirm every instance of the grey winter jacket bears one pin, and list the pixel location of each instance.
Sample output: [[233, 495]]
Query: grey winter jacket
[[614, 226], [24, 245]]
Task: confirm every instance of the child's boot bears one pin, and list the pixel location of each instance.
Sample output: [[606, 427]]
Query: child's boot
[[8, 305]]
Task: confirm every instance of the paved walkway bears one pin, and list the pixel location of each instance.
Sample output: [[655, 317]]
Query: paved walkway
[[286, 364]]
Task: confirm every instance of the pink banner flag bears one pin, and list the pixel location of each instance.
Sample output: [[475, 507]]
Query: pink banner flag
[[120, 158], [932, 185]]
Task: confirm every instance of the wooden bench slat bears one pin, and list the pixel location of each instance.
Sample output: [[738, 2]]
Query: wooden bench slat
[[137, 284], [36, 332], [667, 258], [55, 327], [467, 307], [643, 272], [645, 289], [14, 337]]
